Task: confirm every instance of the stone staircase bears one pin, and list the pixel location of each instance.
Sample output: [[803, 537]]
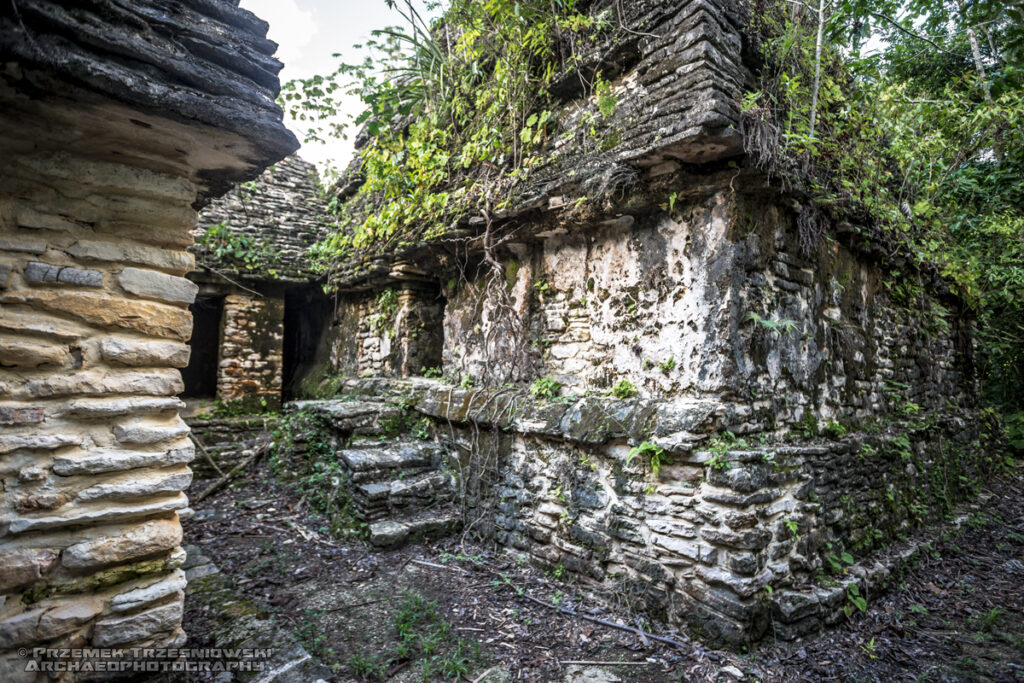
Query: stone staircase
[[398, 485]]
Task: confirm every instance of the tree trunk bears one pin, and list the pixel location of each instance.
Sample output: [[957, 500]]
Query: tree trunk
[[817, 65], [976, 51]]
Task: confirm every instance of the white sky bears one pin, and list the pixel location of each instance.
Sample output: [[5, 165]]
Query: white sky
[[308, 32]]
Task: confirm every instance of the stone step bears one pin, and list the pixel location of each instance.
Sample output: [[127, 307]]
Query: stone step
[[434, 524], [376, 500], [352, 417], [386, 462]]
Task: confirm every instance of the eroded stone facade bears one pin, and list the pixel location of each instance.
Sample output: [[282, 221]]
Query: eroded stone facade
[[735, 393], [105, 160]]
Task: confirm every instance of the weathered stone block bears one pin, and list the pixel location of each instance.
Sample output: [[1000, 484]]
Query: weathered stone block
[[136, 352], [98, 309], [46, 273], [31, 353], [96, 383], [133, 543], [136, 627], [5, 273], [76, 515], [21, 567], [41, 442], [151, 284], [46, 623], [142, 432], [25, 245], [137, 597], [101, 460], [138, 485], [17, 415], [124, 252], [116, 407]]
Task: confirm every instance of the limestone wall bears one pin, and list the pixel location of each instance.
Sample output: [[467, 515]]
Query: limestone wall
[[117, 121], [251, 351]]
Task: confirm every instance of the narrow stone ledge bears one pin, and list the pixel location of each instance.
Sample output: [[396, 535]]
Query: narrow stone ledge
[[47, 623], [27, 246], [137, 485], [108, 460], [37, 442], [179, 262], [19, 415], [95, 513], [116, 407], [95, 383]]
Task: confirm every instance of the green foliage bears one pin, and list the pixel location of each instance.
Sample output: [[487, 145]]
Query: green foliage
[[624, 389], [385, 308], [719, 446], [668, 365], [451, 106], [854, 600], [1015, 430], [545, 387], [241, 252], [834, 430], [776, 327], [650, 450], [921, 145]]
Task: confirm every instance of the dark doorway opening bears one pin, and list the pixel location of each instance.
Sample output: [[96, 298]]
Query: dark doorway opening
[[200, 377], [307, 311]]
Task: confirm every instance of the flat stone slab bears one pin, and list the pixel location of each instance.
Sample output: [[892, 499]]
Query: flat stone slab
[[399, 456]]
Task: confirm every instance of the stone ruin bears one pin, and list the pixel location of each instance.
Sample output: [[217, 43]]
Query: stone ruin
[[119, 120], [740, 402], [738, 391], [259, 315]]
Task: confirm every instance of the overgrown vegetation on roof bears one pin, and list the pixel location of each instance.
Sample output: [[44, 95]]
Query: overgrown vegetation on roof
[[457, 112]]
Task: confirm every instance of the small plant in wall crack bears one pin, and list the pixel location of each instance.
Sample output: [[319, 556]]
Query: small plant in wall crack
[[719, 446], [545, 387], [624, 389], [668, 365], [650, 450]]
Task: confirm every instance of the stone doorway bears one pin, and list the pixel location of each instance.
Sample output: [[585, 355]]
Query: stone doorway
[[200, 377]]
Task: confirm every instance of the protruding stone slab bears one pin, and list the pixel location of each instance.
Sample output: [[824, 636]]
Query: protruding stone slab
[[136, 627], [95, 383], [401, 455], [95, 513], [109, 460], [98, 309], [115, 407], [45, 273], [136, 542], [154, 285], [137, 352], [144, 595], [142, 432], [177, 261], [40, 442], [138, 485], [25, 321]]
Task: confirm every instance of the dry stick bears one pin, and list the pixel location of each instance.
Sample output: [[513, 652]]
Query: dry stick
[[605, 622], [217, 485], [206, 454], [484, 675]]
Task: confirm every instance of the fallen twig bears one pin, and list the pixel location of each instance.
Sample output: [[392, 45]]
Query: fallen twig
[[605, 622], [217, 485], [206, 454]]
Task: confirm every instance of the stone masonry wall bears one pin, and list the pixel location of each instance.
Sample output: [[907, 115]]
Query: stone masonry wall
[[282, 212], [116, 121], [251, 351], [807, 404]]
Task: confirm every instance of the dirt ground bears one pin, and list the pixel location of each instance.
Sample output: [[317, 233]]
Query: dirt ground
[[465, 612]]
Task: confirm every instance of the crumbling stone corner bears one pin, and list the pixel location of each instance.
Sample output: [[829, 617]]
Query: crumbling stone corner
[[105, 162]]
